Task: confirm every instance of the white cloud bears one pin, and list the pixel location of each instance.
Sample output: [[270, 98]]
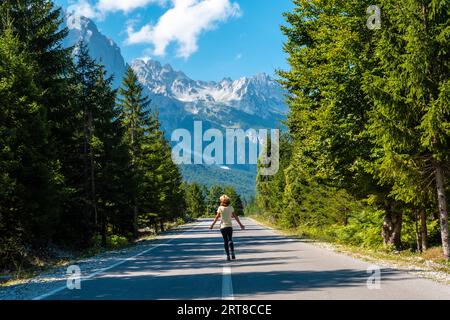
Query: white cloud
[[125, 5], [83, 8], [97, 9], [183, 24]]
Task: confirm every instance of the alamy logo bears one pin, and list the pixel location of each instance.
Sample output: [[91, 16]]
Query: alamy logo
[[374, 21], [374, 280], [235, 143], [73, 277]]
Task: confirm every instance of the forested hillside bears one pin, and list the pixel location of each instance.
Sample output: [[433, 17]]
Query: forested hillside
[[210, 175], [366, 158]]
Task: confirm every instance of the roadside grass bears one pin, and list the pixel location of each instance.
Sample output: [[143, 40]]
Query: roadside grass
[[40, 265], [428, 264]]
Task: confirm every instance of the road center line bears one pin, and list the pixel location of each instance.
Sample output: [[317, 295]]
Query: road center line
[[227, 284]]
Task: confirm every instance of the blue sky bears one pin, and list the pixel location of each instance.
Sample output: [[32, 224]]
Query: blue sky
[[207, 41]]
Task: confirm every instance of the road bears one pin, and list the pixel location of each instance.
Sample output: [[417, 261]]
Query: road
[[190, 264]]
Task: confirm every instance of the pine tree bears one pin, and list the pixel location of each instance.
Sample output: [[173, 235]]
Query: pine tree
[[195, 200], [85, 80], [110, 153], [135, 116], [133, 110], [102, 177], [212, 199], [37, 26], [157, 179], [27, 214], [173, 201]]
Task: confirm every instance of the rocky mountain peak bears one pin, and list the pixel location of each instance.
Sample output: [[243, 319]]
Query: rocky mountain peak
[[227, 101]]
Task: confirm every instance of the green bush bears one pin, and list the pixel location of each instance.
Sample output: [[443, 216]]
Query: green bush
[[363, 229], [116, 241]]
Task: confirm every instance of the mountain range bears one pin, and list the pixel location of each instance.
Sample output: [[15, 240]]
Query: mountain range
[[249, 102]]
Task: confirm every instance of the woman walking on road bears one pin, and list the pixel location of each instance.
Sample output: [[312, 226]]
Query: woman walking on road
[[226, 213]]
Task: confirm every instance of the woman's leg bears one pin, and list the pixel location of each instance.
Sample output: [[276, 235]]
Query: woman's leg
[[230, 242], [225, 240]]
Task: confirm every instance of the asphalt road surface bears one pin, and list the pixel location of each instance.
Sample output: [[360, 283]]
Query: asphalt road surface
[[190, 264]]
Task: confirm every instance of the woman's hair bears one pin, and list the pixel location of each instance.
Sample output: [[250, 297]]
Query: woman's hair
[[225, 200]]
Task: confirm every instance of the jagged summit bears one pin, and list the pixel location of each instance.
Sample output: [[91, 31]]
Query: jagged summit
[[101, 48], [259, 94]]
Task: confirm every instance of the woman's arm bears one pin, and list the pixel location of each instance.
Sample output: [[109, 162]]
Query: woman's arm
[[215, 220], [238, 221]]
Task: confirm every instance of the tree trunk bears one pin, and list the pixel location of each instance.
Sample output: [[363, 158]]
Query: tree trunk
[[418, 233], [135, 221], [423, 229], [155, 224], [392, 227], [345, 222], [133, 161], [103, 230], [92, 169], [443, 213], [87, 209], [161, 224]]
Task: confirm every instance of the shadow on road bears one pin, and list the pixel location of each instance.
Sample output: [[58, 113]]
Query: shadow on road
[[261, 283], [161, 287], [190, 267]]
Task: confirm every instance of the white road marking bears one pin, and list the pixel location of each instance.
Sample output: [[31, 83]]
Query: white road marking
[[227, 284], [61, 288]]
